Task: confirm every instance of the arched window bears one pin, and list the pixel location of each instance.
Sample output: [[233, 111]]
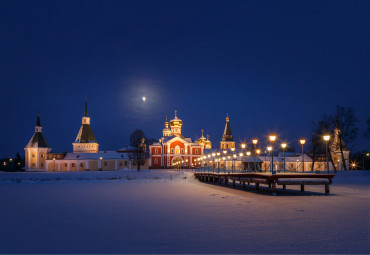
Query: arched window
[[182, 150], [177, 149], [171, 150], [196, 151], [155, 151], [155, 161]]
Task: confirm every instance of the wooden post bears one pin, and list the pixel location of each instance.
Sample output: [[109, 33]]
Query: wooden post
[[284, 187], [273, 189], [219, 180], [243, 185], [302, 188], [257, 186], [327, 190], [226, 181], [233, 183]]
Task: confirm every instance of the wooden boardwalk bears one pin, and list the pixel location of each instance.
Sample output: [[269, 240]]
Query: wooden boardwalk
[[271, 180]]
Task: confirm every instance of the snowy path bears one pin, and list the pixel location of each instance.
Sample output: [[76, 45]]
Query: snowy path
[[160, 215]]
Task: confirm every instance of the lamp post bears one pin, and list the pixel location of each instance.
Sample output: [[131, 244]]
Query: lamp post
[[54, 164], [272, 139], [233, 150], [269, 149], [258, 151], [254, 142], [302, 141], [327, 138], [213, 164], [283, 146], [101, 163], [363, 160]]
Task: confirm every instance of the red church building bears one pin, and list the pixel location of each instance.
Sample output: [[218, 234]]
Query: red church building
[[173, 148]]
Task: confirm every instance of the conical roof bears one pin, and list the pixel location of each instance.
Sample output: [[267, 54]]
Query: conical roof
[[38, 140], [227, 136]]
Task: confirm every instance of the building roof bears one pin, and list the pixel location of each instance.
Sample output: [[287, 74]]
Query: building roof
[[38, 141], [86, 113], [102, 154], [227, 136], [85, 135]]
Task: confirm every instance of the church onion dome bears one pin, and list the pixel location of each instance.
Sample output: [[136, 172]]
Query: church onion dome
[[202, 138], [176, 121]]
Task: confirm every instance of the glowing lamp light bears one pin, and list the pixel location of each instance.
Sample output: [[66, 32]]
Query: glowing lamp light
[[241, 154], [218, 154], [243, 145], [283, 145], [302, 141], [258, 151], [269, 148], [248, 153], [209, 156], [232, 149], [234, 156], [326, 137], [228, 157], [367, 154], [224, 152], [272, 138], [213, 154], [100, 158], [223, 158], [255, 141]]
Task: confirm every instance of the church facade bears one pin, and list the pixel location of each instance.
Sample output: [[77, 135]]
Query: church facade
[[175, 149]]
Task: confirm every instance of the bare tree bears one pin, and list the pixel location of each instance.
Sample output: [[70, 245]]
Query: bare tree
[[319, 129], [138, 154], [346, 121]]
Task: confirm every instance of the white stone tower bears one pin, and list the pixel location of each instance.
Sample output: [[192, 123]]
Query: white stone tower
[[227, 141], [36, 150], [85, 141]]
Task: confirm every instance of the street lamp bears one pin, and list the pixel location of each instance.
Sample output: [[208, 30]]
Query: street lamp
[[233, 150], [272, 139], [54, 163], [283, 146], [101, 163], [327, 138], [302, 141]]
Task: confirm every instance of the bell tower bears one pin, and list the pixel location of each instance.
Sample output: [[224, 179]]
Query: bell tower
[[176, 125], [227, 141], [36, 150], [85, 141]]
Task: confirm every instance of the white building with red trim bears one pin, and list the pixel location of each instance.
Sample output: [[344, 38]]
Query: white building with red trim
[[173, 148]]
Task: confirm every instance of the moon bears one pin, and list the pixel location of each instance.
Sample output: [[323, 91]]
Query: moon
[[144, 99]]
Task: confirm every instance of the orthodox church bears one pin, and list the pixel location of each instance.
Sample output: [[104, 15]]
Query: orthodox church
[[173, 148]]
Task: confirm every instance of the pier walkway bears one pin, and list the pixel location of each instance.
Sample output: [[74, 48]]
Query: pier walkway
[[271, 180]]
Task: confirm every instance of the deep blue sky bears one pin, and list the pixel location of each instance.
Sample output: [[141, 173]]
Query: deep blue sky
[[272, 65]]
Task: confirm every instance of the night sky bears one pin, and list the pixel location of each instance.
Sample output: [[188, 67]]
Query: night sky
[[274, 66]]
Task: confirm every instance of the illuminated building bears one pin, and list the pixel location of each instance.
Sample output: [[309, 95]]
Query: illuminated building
[[173, 148]]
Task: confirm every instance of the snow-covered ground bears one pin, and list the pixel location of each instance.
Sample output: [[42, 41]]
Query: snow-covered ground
[[163, 211]]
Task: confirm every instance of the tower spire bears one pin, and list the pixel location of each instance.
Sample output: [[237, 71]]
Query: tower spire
[[86, 114], [38, 122]]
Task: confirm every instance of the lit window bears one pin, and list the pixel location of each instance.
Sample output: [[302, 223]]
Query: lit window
[[155, 161], [171, 150]]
